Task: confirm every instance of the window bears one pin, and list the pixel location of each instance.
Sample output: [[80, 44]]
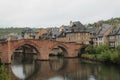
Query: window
[[112, 44], [118, 43], [66, 29], [100, 38], [111, 37], [118, 36]]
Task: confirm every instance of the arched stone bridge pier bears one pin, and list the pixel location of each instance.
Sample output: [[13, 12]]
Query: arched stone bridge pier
[[43, 48]]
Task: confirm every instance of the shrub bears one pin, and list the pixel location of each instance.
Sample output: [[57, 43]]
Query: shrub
[[114, 57], [118, 48], [102, 48], [4, 75], [89, 49]]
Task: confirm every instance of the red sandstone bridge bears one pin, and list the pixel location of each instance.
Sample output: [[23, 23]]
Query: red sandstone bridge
[[43, 48]]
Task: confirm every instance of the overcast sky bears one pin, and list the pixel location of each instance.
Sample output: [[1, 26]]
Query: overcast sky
[[50, 13]]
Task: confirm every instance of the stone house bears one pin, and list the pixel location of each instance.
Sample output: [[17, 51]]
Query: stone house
[[100, 34], [114, 37], [76, 32], [28, 33], [117, 42], [47, 34], [40, 33]]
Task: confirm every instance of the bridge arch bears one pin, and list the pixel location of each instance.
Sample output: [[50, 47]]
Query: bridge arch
[[25, 44], [81, 51], [60, 46]]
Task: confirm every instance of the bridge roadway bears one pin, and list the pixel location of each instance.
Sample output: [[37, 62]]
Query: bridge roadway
[[43, 48]]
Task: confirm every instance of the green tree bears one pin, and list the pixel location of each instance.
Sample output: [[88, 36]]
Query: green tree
[[102, 48], [118, 48], [89, 49], [114, 56]]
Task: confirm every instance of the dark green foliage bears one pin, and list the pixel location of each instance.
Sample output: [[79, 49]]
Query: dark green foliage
[[60, 54], [104, 54], [4, 75], [89, 49], [6, 31], [102, 48], [118, 48], [109, 21]]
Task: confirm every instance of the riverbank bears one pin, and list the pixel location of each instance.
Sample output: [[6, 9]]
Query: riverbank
[[101, 59], [102, 53]]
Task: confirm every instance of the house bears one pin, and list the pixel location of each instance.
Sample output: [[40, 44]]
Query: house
[[117, 43], [12, 36], [53, 33], [100, 34], [114, 37], [28, 33], [64, 28], [40, 33], [47, 34], [76, 32]]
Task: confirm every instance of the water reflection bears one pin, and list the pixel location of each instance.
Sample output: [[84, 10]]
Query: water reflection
[[23, 71], [66, 69], [56, 63], [23, 66]]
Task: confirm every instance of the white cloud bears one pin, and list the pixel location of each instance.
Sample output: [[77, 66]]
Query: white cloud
[[36, 13]]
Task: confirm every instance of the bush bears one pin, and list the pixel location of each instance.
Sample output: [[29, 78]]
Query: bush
[[111, 56], [104, 53], [102, 48], [4, 75], [104, 56], [60, 54], [88, 56], [114, 57], [118, 48], [89, 49]]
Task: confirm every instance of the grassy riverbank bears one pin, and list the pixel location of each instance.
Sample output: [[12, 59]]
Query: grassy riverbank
[[102, 53]]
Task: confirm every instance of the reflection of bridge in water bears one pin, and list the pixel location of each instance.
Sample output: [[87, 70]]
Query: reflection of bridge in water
[[70, 69], [64, 68], [60, 68]]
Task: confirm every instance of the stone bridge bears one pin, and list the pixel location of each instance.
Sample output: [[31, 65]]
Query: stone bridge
[[43, 48]]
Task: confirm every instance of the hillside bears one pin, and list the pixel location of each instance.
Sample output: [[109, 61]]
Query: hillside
[[109, 21], [6, 31]]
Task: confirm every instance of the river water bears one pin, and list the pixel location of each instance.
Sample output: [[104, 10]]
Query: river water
[[64, 69]]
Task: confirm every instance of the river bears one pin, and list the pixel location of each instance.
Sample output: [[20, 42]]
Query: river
[[64, 69]]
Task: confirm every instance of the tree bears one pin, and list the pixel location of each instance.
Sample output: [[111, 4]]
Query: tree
[[102, 48], [89, 49], [118, 48]]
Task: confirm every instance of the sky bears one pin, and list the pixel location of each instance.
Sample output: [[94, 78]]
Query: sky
[[54, 13]]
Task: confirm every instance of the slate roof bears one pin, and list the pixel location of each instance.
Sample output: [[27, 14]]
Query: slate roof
[[104, 28], [115, 31], [66, 28], [2, 40], [77, 27], [55, 34], [74, 28], [77, 24], [91, 29]]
